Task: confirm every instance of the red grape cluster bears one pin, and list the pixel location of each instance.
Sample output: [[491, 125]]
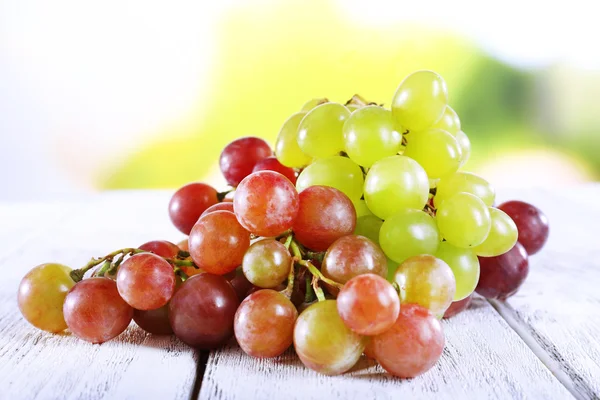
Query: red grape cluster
[[282, 259]]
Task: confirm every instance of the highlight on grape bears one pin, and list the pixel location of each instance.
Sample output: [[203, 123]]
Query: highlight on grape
[[353, 236]]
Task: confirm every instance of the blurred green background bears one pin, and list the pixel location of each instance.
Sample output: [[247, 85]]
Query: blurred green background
[[145, 94]]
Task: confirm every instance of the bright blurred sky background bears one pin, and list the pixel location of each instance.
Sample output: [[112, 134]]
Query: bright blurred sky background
[[131, 94]]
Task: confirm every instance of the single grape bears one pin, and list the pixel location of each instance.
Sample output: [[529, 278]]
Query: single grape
[[464, 265], [222, 206], [146, 281], [464, 182], [271, 164], [286, 147], [202, 311], [183, 245], [154, 321], [351, 256], [369, 135], [449, 122], [322, 341], [435, 150], [266, 203], [240, 284], [502, 237], [458, 306], [409, 233], [218, 242], [267, 263], [337, 172], [420, 101], [503, 275], [264, 324], [361, 208], [427, 281], [464, 220], [239, 157], [531, 223], [395, 183], [412, 345], [320, 131], [464, 145], [188, 203], [95, 312], [41, 296], [368, 304], [161, 248], [369, 227], [312, 229], [309, 105]]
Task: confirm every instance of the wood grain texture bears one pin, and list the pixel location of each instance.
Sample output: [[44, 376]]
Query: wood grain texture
[[483, 358], [39, 365], [559, 305]]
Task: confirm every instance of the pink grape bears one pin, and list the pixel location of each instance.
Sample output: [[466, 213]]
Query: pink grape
[[222, 206], [412, 345], [161, 248], [325, 215], [266, 203], [353, 255], [272, 164], [368, 304]]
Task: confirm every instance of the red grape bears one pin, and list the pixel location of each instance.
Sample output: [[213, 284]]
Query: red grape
[[412, 345], [501, 276], [325, 215], [264, 323], [368, 304], [95, 312], [218, 242], [154, 321], [241, 284], [223, 206], [188, 203], [369, 349], [41, 296], [161, 248], [267, 263], [353, 255], [458, 306], [202, 311], [531, 223], [146, 281], [323, 342], [266, 203], [240, 156], [272, 164]]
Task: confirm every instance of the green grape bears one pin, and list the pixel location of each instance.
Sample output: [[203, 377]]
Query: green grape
[[320, 131], [464, 182], [465, 266], [502, 237], [395, 183], [464, 220], [420, 101], [312, 103], [337, 172], [369, 135], [409, 233], [286, 147], [361, 208], [465, 146], [392, 268], [368, 226], [449, 122], [436, 150], [427, 281]]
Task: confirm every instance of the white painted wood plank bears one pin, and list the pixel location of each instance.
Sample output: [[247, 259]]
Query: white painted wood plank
[[559, 305], [483, 358], [34, 364]]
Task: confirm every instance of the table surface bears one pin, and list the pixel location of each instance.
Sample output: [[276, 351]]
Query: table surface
[[544, 342]]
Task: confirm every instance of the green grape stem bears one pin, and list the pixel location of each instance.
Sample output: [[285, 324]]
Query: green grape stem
[[112, 261], [179, 272], [287, 292], [318, 274], [318, 291]]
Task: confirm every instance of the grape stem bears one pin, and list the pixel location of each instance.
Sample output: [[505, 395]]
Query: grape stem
[[318, 274], [315, 255], [287, 292], [318, 291], [221, 195], [77, 274]]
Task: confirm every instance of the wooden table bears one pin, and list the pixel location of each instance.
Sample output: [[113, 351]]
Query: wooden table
[[544, 343]]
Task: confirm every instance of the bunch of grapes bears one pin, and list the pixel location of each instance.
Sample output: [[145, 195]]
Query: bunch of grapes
[[356, 236]]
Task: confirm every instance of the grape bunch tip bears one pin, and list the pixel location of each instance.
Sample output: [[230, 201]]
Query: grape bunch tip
[[354, 236]]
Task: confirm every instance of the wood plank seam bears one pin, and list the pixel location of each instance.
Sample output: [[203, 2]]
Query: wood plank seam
[[546, 352]]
